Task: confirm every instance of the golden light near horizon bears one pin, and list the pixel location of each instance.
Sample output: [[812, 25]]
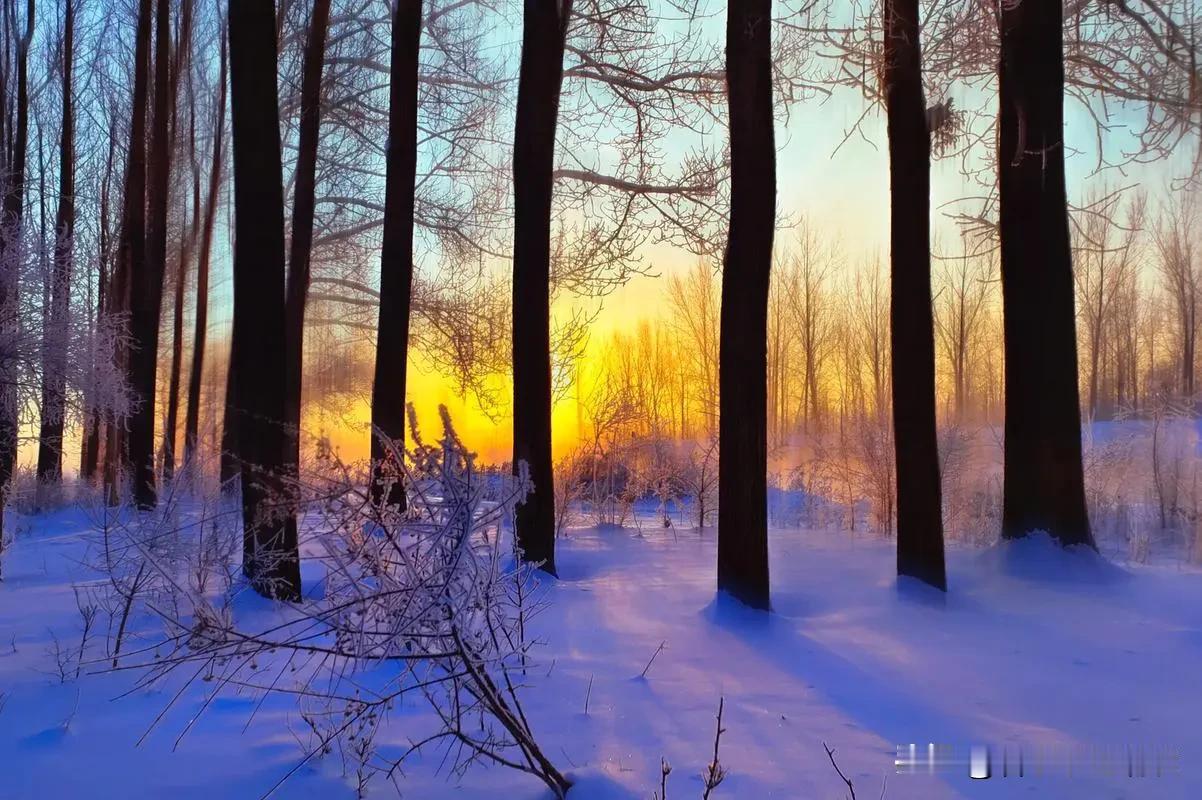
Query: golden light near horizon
[[489, 430]]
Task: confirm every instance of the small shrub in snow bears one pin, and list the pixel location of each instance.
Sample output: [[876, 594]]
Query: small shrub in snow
[[698, 479], [570, 489], [428, 603]]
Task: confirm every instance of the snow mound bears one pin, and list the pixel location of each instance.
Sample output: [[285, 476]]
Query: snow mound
[[1039, 557]]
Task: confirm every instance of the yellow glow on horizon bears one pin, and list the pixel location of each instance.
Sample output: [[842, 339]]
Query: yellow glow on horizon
[[491, 437]]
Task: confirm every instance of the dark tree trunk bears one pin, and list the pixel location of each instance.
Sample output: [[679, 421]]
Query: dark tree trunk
[[187, 241], [229, 468], [302, 228], [132, 257], [10, 233], [89, 460], [746, 272], [146, 284], [192, 418], [54, 367], [270, 557], [171, 425], [912, 325], [544, 27], [1044, 488], [396, 257]]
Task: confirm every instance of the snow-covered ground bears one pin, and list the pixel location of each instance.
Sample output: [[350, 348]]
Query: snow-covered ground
[[1057, 653]]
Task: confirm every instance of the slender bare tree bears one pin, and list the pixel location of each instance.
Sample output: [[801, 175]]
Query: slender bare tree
[[189, 228], [1182, 279], [960, 316], [94, 416], [54, 384], [1104, 257], [200, 335], [396, 254], [300, 251]]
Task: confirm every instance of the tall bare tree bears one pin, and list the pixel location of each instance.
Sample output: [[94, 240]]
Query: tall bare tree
[[1044, 484], [805, 279], [960, 316], [94, 415], [270, 557], [54, 385], [912, 325], [187, 245], [396, 254], [200, 335], [189, 230], [132, 255], [544, 28], [301, 249], [11, 220], [1104, 255], [746, 276], [146, 279], [1182, 280]]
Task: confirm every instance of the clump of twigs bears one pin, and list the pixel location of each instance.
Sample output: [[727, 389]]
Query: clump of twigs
[[156, 560], [68, 661]]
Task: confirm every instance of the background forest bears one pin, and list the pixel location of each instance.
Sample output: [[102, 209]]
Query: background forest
[[637, 234]]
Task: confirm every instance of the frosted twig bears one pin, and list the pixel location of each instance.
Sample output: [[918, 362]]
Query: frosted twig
[[715, 773]]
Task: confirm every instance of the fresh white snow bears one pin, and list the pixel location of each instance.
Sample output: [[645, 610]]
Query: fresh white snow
[[1033, 647]]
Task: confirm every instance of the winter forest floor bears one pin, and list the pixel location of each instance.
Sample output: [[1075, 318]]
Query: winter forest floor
[[1032, 647]]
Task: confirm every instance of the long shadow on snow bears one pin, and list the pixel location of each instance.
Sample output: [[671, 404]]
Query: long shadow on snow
[[875, 704]]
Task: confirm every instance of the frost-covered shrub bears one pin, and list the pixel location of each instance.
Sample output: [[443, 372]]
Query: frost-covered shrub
[[431, 601], [855, 465], [22, 491], [698, 478], [570, 489]]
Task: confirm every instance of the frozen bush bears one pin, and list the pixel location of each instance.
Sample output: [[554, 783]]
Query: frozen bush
[[430, 602]]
